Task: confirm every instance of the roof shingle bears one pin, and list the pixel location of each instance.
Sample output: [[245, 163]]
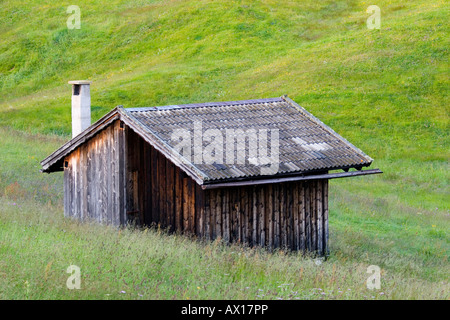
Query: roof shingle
[[305, 143]]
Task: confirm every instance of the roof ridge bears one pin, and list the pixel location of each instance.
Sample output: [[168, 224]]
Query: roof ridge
[[205, 104]]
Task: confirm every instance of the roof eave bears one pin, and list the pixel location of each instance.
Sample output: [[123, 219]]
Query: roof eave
[[49, 162], [162, 147], [290, 179]]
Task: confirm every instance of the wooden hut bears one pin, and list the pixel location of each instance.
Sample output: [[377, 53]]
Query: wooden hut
[[131, 166]]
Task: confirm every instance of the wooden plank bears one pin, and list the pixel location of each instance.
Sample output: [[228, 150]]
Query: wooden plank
[[186, 204], [103, 175], [262, 215], [121, 177], [93, 185], [276, 212], [247, 214], [66, 191], [129, 180], [325, 217], [71, 187], [254, 212], [283, 216], [243, 215], [78, 186], [75, 206], [192, 213], [240, 223], [296, 216], [233, 216], [147, 166], [131, 183], [235, 184], [209, 224], [141, 181], [82, 182], [307, 216], [302, 215], [114, 172], [73, 163], [219, 214], [234, 210], [199, 211], [102, 179], [290, 223], [313, 216], [106, 162], [96, 188], [226, 215], [135, 197], [126, 187], [110, 174], [319, 217], [210, 195], [162, 190], [155, 186], [270, 215], [142, 176], [237, 223], [178, 200], [170, 198]]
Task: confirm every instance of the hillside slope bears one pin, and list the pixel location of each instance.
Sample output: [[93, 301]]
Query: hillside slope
[[386, 90]]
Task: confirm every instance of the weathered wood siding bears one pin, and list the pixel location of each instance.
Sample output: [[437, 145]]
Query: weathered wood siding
[[291, 215], [117, 178], [158, 192], [94, 184]]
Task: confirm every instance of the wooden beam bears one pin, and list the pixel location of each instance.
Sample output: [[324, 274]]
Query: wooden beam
[[296, 178]]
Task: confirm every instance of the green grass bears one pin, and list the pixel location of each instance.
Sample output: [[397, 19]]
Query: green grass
[[37, 244], [385, 90], [130, 264]]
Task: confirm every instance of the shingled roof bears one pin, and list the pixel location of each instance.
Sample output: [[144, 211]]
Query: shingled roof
[[306, 145]]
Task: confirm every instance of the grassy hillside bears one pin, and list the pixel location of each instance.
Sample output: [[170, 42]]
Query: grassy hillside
[[384, 90]]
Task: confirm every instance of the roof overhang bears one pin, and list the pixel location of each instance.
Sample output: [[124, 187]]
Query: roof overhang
[[54, 162], [290, 179]]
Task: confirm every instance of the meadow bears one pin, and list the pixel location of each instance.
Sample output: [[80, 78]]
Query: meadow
[[384, 90]]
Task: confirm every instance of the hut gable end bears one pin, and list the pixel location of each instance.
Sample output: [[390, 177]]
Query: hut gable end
[[130, 167]]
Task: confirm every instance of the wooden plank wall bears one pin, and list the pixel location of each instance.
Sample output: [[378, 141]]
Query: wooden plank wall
[[159, 193], [291, 215], [118, 178], [94, 185]]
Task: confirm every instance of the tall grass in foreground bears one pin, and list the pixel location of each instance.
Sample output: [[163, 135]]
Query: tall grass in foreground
[[37, 245], [373, 221], [385, 90]]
